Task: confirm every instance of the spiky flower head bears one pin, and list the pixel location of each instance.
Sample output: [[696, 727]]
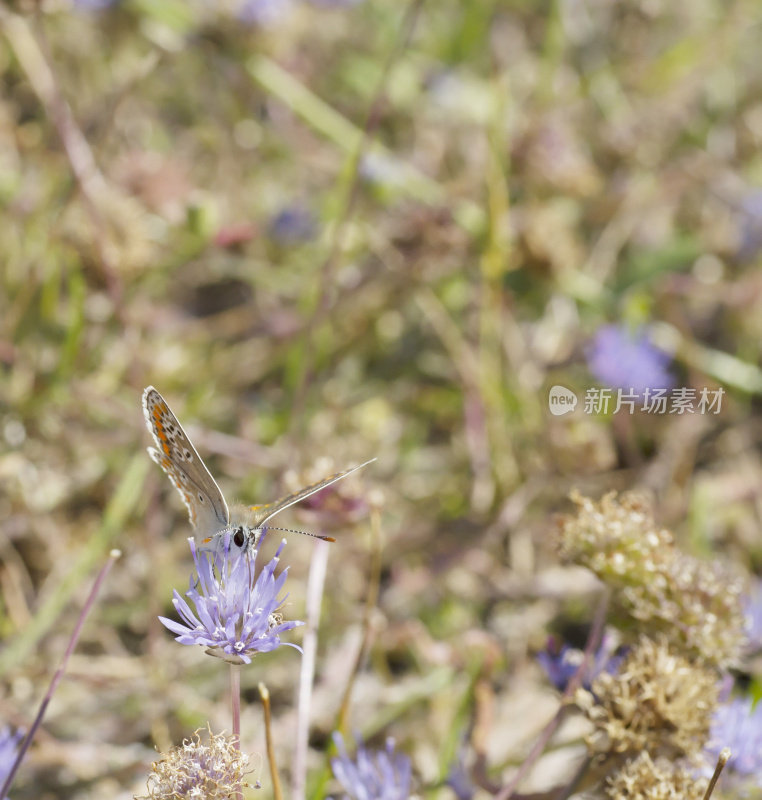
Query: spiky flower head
[[643, 778], [198, 771], [658, 701], [372, 775], [237, 609], [698, 604]]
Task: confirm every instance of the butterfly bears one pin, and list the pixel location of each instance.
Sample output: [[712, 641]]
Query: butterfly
[[207, 509]]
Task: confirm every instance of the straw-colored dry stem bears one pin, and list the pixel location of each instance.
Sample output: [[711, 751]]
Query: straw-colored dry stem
[[265, 695]]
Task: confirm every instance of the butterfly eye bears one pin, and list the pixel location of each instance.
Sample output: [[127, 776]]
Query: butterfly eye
[[239, 537]]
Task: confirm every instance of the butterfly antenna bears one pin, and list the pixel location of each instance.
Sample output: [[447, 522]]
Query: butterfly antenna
[[292, 530]]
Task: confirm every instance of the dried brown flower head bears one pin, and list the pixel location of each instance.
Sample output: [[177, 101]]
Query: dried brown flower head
[[696, 604], [645, 779], [213, 771], [658, 701]]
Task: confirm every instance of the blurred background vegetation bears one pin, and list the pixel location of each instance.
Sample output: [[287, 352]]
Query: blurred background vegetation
[[328, 231]]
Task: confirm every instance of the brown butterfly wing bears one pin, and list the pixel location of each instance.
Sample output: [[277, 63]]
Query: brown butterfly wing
[[174, 453], [264, 513]]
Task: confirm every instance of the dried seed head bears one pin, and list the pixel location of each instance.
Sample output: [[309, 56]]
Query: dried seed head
[[642, 778], [658, 701], [213, 771], [697, 604]]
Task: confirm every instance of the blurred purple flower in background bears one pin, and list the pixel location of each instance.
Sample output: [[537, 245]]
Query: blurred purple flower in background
[[236, 608], [94, 5], [738, 725], [372, 774], [751, 226], [266, 12], [620, 359], [382, 169], [752, 606], [560, 662], [335, 3], [458, 777], [263, 12], [9, 745], [292, 225]]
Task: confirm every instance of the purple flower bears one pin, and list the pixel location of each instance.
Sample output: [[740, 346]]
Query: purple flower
[[236, 607], [9, 745], [560, 662], [293, 225], [738, 725], [622, 360], [372, 774]]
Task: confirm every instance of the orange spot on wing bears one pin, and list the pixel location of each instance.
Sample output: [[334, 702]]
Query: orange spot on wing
[[158, 410]]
